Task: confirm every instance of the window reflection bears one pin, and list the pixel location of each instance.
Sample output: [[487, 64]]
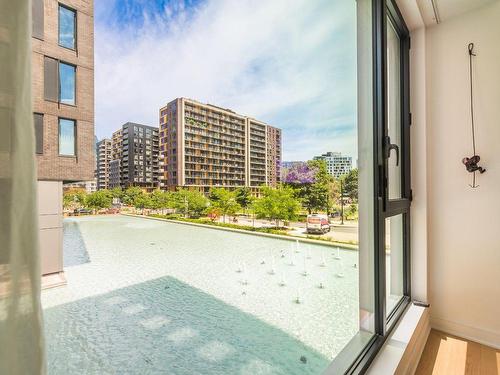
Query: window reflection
[[67, 75], [67, 130], [67, 18]]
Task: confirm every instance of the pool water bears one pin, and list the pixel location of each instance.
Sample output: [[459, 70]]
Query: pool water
[[152, 297]]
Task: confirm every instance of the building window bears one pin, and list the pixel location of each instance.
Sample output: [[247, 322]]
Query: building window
[[37, 19], [67, 83], [67, 27], [38, 122], [67, 137], [59, 81]]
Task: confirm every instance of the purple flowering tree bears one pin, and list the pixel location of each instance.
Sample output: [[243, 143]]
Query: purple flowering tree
[[299, 174]]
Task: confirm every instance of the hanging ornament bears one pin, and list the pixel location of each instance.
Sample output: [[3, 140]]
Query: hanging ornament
[[472, 163]]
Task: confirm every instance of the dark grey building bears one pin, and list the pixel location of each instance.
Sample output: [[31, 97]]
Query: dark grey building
[[139, 161], [115, 173]]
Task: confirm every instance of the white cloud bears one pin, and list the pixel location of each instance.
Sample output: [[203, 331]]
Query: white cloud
[[289, 63]]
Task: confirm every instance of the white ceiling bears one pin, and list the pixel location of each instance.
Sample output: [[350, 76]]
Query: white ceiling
[[417, 12], [450, 8]]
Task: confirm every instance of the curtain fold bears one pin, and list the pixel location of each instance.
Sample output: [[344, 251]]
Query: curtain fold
[[21, 329]]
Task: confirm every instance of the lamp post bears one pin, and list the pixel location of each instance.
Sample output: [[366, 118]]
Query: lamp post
[[341, 202]]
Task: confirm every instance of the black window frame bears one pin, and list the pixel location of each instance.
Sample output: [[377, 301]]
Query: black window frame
[[383, 206], [75, 25]]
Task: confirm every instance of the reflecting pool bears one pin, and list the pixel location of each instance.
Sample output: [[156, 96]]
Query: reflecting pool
[[152, 297]]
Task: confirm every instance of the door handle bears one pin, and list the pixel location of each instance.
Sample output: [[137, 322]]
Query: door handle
[[392, 146]]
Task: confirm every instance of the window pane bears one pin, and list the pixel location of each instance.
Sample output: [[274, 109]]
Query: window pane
[[394, 245], [394, 108], [50, 81], [67, 27], [38, 121], [67, 75], [67, 137], [37, 14]]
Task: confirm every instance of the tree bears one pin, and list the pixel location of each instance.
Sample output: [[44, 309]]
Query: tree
[[350, 182], [244, 197], [99, 199], [312, 182], [225, 201], [161, 200], [74, 199], [277, 204], [142, 201], [129, 195], [190, 203], [117, 192]]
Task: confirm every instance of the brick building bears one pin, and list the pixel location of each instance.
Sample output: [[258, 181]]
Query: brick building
[[202, 146], [63, 107]]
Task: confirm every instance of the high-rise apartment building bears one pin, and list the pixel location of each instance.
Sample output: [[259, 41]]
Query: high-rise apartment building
[[204, 146], [63, 110], [103, 158], [139, 156], [336, 164], [115, 173], [273, 149]]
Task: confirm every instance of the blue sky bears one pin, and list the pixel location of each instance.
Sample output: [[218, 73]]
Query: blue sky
[[290, 63]]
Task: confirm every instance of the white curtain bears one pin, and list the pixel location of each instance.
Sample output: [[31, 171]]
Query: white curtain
[[21, 330]]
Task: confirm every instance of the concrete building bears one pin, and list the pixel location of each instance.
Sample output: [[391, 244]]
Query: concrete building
[[115, 174], [63, 109], [87, 186], [336, 164], [203, 146], [138, 164], [103, 158]]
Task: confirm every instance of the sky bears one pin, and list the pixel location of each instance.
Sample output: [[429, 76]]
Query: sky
[[290, 63]]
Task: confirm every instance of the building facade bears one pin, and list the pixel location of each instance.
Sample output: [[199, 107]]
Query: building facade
[[204, 146], [336, 164], [63, 110], [139, 156], [87, 186], [103, 158]]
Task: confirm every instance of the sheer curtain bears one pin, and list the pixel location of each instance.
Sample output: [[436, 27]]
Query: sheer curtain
[[21, 336]]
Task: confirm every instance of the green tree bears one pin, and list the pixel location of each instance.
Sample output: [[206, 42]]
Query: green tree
[[99, 199], [129, 195], [74, 199], [160, 200], [117, 192], [225, 201], [350, 184], [277, 204], [244, 197], [190, 203], [142, 201]]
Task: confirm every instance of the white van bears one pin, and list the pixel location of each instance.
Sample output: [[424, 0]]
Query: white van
[[317, 223]]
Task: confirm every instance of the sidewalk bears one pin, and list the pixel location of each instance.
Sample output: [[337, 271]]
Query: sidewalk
[[348, 232]]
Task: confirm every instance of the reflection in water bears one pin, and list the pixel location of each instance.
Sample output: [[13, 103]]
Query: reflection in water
[[166, 326], [74, 249]]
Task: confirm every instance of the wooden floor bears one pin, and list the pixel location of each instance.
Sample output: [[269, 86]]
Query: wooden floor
[[450, 355]]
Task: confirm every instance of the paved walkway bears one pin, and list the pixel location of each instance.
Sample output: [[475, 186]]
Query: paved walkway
[[347, 232]]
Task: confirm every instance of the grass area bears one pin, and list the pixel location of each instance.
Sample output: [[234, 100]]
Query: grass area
[[333, 240], [279, 231], [207, 221]]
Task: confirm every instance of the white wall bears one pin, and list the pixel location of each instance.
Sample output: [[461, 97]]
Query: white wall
[[51, 227], [464, 223]]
